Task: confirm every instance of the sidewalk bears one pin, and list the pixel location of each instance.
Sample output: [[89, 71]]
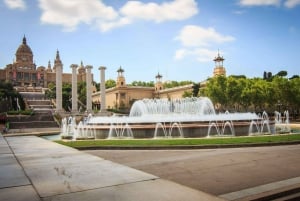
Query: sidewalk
[[33, 168]]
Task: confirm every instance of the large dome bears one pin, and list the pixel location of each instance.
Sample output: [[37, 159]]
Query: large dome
[[24, 48]]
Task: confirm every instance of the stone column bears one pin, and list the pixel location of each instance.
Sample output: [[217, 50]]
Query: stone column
[[88, 89], [58, 71], [102, 88], [74, 88]]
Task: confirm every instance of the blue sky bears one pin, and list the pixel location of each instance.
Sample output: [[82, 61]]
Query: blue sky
[[177, 38]]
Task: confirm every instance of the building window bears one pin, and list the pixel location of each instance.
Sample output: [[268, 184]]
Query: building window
[[122, 95]]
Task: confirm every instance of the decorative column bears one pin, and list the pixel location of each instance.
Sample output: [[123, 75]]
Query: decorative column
[[74, 88], [102, 89], [58, 70], [88, 89]]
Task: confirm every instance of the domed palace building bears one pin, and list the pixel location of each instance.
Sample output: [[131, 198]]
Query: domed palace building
[[24, 74]]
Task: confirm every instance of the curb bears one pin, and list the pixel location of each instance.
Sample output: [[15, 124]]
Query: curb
[[214, 146]]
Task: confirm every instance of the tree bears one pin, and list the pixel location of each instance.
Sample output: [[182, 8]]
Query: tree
[[258, 95], [215, 89], [172, 84], [294, 98], [187, 94], [282, 73], [110, 83], [233, 91], [281, 86], [245, 98], [66, 96], [294, 76], [81, 90], [196, 88], [8, 93], [142, 84]]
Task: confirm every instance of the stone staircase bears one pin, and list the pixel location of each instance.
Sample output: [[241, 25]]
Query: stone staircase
[[41, 120], [40, 105]]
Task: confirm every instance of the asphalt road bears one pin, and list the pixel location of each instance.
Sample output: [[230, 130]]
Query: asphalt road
[[215, 171]]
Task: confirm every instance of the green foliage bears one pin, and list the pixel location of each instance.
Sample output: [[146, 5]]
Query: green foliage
[[187, 94], [7, 92], [110, 83], [81, 90], [66, 96], [196, 88], [215, 89], [172, 84], [22, 112], [282, 73], [254, 94], [142, 84]]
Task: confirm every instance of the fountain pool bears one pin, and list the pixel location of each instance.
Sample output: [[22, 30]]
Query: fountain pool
[[156, 118]]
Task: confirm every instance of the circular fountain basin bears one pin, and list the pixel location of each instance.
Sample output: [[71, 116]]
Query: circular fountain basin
[[154, 118], [183, 125]]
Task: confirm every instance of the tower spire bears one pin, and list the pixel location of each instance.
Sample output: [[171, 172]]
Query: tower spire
[[24, 40], [219, 68], [57, 55]]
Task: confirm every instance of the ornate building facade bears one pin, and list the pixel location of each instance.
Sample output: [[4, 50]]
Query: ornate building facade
[[123, 95], [219, 68], [23, 73]]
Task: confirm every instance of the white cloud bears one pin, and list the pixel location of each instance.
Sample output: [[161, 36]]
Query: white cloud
[[106, 26], [194, 36], [260, 2], [198, 42], [201, 54], [70, 13], [174, 10], [15, 4], [291, 3]]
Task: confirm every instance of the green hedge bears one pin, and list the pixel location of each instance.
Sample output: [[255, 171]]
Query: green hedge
[[22, 112]]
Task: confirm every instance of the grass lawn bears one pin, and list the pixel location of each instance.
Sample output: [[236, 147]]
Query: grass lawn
[[182, 141]]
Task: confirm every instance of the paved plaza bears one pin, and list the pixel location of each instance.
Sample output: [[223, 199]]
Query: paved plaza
[[32, 168], [217, 171]]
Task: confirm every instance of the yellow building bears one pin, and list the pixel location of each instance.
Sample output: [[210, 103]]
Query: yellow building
[[123, 96], [219, 68]]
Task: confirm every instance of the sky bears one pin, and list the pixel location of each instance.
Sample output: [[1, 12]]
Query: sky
[[176, 38]]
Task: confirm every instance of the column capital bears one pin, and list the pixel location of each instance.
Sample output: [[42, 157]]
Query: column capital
[[74, 66], [88, 66], [102, 68]]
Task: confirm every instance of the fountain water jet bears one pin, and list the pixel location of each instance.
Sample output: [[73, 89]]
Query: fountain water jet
[[262, 125], [168, 130], [282, 124], [195, 117]]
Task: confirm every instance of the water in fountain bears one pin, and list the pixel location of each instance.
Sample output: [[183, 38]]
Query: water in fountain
[[221, 127], [171, 118], [68, 127], [120, 131], [282, 124], [167, 130], [148, 107], [261, 125], [85, 131]]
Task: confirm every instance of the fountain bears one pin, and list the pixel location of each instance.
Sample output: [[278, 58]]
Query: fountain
[[282, 124], [68, 128], [167, 130], [261, 125], [156, 118]]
